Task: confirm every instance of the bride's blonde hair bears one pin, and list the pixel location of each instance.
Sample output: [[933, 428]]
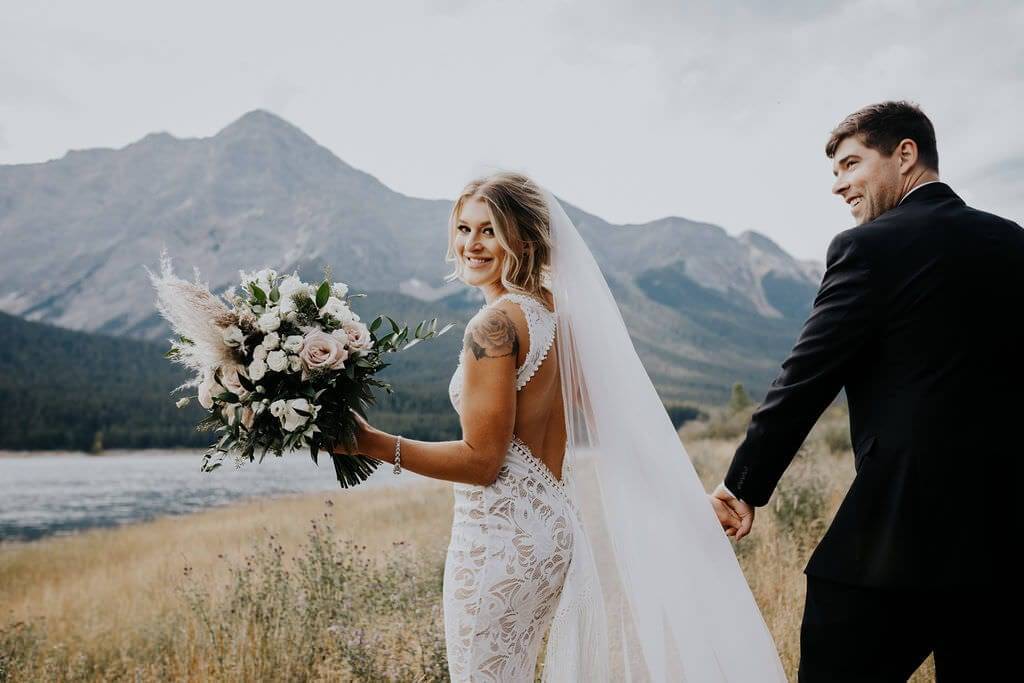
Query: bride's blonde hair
[[522, 226]]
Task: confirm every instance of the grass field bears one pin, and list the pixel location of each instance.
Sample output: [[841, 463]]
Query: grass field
[[333, 586]]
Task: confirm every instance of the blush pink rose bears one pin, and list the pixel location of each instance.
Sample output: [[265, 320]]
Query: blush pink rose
[[229, 380], [321, 351], [358, 336]]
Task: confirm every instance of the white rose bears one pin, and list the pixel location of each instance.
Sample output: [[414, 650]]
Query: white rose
[[271, 341], [292, 343], [233, 336], [264, 278], [286, 288], [279, 407], [208, 388], [277, 361], [260, 352], [340, 289], [337, 309], [289, 286], [294, 363], [269, 321], [182, 402], [257, 369], [292, 420]]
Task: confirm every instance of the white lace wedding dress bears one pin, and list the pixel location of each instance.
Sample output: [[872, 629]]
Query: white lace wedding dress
[[652, 591], [512, 546]]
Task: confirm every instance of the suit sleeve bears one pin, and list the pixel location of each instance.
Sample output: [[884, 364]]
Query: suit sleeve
[[839, 326]]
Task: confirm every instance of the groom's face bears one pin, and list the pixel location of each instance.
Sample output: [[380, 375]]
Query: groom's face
[[867, 180]]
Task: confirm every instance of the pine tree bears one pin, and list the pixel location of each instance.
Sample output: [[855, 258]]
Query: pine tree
[[739, 400]]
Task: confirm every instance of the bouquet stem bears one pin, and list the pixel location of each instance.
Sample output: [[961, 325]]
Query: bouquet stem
[[352, 470]]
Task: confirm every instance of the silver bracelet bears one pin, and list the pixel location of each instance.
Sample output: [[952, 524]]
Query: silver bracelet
[[397, 469]]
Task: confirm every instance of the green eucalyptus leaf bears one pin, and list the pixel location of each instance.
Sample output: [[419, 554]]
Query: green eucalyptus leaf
[[323, 294], [260, 295]]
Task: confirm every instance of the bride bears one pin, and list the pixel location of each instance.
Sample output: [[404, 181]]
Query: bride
[[578, 515]]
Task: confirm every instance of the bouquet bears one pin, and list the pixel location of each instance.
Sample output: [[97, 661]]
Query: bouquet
[[280, 364]]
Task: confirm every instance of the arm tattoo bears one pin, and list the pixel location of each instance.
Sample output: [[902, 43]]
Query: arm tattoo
[[492, 335]]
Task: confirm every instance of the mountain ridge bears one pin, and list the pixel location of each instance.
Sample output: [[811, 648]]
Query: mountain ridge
[[261, 191]]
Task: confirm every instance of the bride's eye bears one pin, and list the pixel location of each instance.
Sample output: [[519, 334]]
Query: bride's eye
[[489, 232], [463, 228]]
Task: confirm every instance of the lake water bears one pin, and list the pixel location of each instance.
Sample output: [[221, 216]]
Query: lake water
[[49, 494]]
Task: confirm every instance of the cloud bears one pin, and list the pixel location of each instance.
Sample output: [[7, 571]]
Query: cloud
[[631, 110]]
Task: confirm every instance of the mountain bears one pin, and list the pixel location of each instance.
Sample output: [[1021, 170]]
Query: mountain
[[705, 308]]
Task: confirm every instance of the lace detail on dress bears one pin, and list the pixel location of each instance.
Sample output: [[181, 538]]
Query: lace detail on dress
[[541, 324], [512, 548]]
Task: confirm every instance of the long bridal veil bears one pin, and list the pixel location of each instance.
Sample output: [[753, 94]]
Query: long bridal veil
[[657, 594]]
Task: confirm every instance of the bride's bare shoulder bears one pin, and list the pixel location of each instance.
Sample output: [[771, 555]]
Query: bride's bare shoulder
[[497, 331]]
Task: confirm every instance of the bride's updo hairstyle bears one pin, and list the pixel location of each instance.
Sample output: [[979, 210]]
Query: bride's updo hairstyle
[[522, 226]]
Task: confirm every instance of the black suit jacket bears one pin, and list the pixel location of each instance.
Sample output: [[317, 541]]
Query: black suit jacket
[[919, 318]]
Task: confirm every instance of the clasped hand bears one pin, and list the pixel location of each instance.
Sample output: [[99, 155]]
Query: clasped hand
[[735, 516]]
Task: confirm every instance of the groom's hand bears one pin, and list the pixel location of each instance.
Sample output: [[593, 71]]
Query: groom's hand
[[743, 511], [729, 520]]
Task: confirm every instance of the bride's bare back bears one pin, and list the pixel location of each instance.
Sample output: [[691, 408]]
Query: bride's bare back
[[502, 330]]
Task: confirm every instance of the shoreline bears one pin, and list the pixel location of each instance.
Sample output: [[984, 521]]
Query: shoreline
[[111, 452]]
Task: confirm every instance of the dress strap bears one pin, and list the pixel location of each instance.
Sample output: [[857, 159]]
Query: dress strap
[[541, 324]]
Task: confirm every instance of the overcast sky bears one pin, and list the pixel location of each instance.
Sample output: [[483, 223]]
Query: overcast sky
[[632, 110]]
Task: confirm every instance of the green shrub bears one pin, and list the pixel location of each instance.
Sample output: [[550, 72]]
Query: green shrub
[[681, 413], [799, 502], [837, 438]]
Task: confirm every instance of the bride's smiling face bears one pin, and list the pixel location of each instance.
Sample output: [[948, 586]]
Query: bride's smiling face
[[476, 246]]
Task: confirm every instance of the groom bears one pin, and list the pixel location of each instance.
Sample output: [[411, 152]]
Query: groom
[[918, 318]]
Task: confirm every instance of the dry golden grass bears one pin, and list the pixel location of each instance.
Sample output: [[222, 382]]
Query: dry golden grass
[[109, 604], [789, 527], [103, 590]]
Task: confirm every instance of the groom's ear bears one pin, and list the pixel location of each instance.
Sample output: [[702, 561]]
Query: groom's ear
[[908, 154]]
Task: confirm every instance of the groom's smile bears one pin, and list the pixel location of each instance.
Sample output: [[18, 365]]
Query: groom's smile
[[867, 180]]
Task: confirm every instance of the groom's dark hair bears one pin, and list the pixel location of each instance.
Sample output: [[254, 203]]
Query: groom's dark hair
[[882, 126]]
